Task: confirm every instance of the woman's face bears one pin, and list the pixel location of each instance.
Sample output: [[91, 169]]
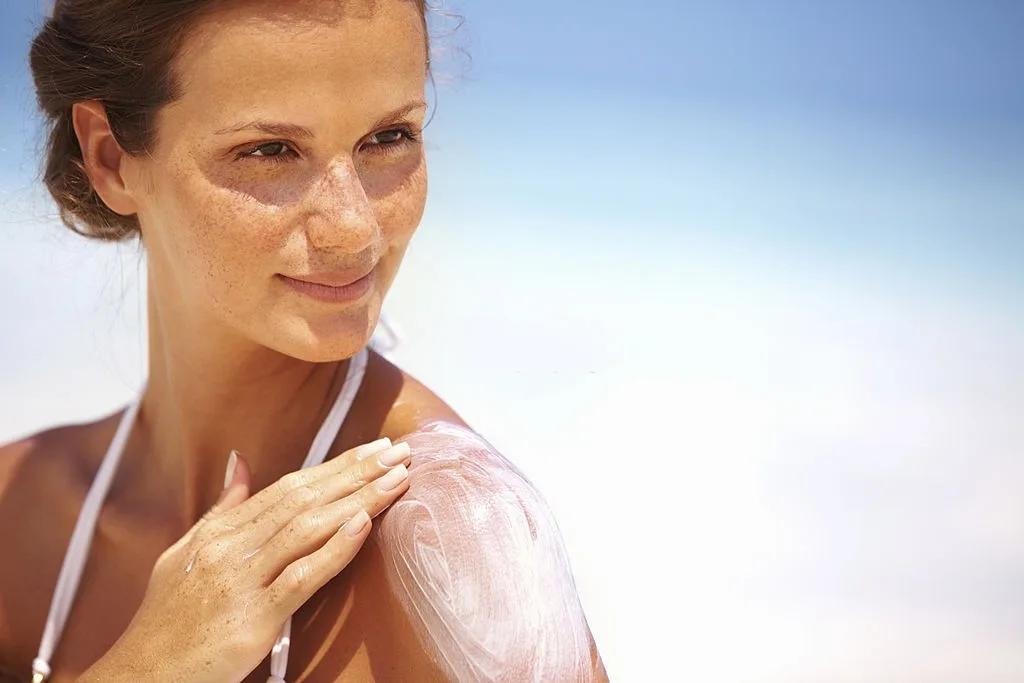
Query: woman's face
[[287, 180]]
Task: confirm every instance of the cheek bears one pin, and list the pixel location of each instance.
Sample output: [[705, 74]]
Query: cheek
[[215, 237], [399, 211], [217, 232]]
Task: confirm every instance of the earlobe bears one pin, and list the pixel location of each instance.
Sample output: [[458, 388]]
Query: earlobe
[[102, 156]]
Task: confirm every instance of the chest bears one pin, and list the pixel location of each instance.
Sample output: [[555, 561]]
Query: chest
[[346, 633]]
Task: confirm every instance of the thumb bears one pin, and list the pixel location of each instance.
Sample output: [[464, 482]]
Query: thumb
[[237, 481], [237, 484]]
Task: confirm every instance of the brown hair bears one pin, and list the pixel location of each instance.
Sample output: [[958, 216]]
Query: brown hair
[[118, 52]]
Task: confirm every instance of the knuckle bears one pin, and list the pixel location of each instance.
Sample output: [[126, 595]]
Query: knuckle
[[212, 552], [367, 496], [209, 533], [306, 525], [201, 537], [299, 577], [292, 480], [208, 527], [365, 472], [274, 596], [303, 497]]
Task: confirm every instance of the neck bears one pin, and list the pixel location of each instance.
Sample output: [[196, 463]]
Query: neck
[[209, 394]]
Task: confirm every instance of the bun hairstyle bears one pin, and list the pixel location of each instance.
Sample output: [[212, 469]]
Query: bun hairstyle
[[120, 53]]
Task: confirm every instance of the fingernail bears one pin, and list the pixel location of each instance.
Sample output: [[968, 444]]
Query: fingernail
[[355, 526], [393, 479], [373, 447], [395, 455], [229, 473]]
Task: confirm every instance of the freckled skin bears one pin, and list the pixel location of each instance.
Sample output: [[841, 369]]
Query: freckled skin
[[217, 228], [238, 360]]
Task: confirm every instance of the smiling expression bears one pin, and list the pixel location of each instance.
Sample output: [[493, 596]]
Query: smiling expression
[[288, 177]]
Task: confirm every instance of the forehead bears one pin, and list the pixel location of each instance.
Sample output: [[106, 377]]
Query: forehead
[[304, 48]]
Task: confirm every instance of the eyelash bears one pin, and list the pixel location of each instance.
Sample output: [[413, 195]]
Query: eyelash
[[408, 137]]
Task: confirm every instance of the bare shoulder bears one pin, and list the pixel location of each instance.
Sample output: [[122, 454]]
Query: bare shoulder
[[53, 457], [43, 478], [22, 466], [412, 404], [443, 445], [12, 458], [474, 556], [36, 465]]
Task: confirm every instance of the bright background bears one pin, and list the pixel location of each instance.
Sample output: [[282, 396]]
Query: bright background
[[738, 284]]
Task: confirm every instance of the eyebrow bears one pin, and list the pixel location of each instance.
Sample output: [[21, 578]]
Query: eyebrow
[[400, 113], [291, 130], [285, 130]]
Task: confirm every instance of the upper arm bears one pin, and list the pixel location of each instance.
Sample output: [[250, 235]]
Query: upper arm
[[475, 558]]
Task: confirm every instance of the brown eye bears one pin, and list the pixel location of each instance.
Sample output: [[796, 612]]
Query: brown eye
[[393, 137], [389, 137], [269, 152], [391, 141], [268, 149]]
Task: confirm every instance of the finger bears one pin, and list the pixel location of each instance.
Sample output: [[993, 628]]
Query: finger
[[305, 576], [237, 484], [255, 533], [309, 531], [240, 521], [301, 478]]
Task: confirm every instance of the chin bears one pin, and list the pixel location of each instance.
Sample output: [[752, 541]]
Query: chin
[[328, 339]]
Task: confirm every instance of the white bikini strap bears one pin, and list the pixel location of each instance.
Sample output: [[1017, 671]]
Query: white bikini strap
[[317, 452], [78, 548], [85, 526]]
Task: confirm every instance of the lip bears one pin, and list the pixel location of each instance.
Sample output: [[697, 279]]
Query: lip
[[332, 286]]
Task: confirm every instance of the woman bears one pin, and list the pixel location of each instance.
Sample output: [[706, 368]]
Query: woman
[[268, 156]]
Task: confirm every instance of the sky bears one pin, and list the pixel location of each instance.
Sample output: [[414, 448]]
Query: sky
[[738, 285]]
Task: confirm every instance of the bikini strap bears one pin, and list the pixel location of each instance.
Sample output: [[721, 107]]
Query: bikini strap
[[317, 452], [85, 526], [81, 542]]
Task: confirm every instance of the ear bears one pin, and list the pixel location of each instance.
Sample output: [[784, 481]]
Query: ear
[[102, 156]]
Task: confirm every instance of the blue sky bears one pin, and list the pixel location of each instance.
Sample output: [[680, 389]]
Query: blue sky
[[888, 135], [760, 260], [864, 130], [918, 59]]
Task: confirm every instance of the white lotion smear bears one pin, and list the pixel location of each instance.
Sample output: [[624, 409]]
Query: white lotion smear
[[476, 559]]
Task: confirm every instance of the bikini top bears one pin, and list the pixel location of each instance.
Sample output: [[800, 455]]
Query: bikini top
[[81, 538]]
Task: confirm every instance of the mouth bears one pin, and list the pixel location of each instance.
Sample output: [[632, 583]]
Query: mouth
[[332, 286]]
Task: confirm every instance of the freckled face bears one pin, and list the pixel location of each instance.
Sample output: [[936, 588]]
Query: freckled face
[[290, 167]]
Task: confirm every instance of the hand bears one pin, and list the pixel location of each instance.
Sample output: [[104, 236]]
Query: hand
[[218, 598]]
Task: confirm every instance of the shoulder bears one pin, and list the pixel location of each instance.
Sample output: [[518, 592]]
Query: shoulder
[[43, 479], [13, 457], [475, 557], [23, 464], [46, 459], [472, 552], [60, 456], [410, 403]]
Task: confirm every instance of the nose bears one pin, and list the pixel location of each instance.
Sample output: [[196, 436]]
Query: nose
[[340, 215]]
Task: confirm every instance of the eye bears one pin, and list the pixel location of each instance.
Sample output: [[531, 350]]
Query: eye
[[390, 140], [388, 137], [272, 151]]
